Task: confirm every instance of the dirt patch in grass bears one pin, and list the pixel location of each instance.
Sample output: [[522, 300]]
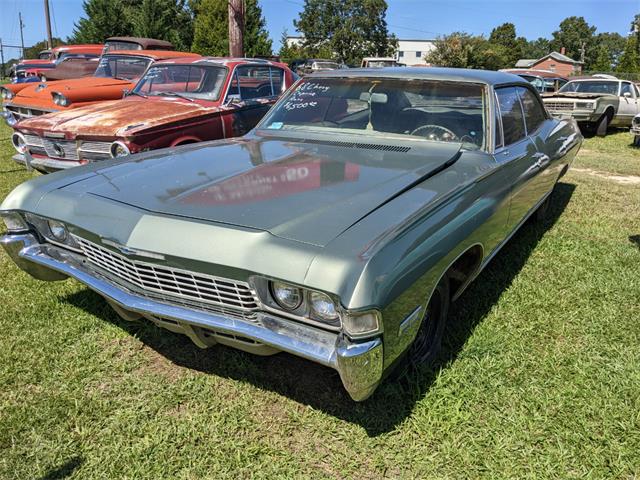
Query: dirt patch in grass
[[621, 179]]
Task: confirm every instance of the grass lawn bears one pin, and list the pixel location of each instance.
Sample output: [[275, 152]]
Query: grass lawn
[[539, 376]]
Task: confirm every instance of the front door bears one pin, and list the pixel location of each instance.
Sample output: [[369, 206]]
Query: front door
[[628, 106]]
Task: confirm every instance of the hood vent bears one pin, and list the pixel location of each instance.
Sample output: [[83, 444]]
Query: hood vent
[[366, 146]]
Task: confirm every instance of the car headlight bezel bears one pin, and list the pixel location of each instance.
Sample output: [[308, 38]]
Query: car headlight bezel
[[119, 146], [586, 105], [60, 99], [6, 94], [19, 142], [43, 226], [278, 291]]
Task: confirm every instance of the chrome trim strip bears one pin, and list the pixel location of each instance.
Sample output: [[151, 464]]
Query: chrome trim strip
[[409, 320]]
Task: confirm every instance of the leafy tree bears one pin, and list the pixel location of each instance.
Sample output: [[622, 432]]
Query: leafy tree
[[351, 28], [536, 48], [606, 50], [32, 51], [170, 20], [104, 18], [635, 29], [211, 32], [461, 50], [512, 47], [602, 62], [630, 60], [574, 34]]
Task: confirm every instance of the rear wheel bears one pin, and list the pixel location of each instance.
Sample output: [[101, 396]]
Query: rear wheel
[[426, 345]]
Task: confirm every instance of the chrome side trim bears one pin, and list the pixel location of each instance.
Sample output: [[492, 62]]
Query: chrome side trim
[[409, 320]]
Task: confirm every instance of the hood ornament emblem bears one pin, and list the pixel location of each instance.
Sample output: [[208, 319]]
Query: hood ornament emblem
[[132, 251]]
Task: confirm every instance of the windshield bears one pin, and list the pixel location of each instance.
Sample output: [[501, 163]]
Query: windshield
[[381, 63], [591, 87], [377, 107], [193, 81], [121, 67], [325, 66], [119, 45]]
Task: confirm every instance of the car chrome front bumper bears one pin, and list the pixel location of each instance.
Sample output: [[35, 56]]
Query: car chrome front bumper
[[45, 164], [360, 364]]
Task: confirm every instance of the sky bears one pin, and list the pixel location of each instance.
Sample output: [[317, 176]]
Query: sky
[[424, 19]]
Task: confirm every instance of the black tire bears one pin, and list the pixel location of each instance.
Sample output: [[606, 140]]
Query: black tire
[[603, 125], [540, 215], [426, 345], [636, 141]]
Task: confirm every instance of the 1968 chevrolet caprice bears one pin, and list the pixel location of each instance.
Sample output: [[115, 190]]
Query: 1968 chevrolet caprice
[[338, 230]]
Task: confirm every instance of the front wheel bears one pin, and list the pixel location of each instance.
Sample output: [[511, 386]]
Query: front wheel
[[636, 141], [426, 345], [603, 125]]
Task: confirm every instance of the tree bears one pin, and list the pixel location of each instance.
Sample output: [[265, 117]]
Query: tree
[[606, 50], [630, 60], [536, 48], [104, 18], [505, 37], [169, 20], [211, 31], [32, 51], [602, 62], [576, 36], [462, 50], [352, 29]]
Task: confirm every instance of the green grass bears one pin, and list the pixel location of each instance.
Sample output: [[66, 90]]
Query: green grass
[[539, 376]]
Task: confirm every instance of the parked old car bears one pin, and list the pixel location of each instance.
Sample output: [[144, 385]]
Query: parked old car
[[379, 62], [116, 73], [176, 102], [545, 81], [136, 43], [596, 103], [42, 68], [338, 230], [635, 130], [313, 65]]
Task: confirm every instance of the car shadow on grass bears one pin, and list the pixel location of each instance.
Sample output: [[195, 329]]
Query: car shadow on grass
[[320, 387]]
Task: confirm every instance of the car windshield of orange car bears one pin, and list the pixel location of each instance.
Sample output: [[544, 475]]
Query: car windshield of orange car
[[192, 81], [122, 67], [411, 109]]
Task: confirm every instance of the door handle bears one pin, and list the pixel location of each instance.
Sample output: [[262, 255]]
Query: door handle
[[542, 161]]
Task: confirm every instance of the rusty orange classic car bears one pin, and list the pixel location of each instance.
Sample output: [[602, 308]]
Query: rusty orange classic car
[[116, 72], [177, 102]]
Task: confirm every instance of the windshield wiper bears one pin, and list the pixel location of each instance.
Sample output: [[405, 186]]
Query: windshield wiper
[[133, 92], [174, 94]]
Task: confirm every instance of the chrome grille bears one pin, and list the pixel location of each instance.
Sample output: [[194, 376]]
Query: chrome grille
[[68, 148], [35, 145], [95, 150], [23, 112], [559, 106], [176, 286]]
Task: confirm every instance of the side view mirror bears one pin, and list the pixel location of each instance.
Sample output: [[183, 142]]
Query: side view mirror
[[626, 94], [233, 99], [125, 92]]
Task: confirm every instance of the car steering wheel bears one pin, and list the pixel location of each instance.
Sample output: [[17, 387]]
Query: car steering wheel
[[430, 132]]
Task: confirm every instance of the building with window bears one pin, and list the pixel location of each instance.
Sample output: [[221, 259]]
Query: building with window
[[556, 62], [410, 51]]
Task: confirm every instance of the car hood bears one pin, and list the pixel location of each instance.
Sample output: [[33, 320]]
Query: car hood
[[78, 91], [295, 190], [577, 95], [118, 118]]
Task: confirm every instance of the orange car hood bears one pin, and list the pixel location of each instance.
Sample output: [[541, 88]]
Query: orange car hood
[[119, 118], [80, 91]]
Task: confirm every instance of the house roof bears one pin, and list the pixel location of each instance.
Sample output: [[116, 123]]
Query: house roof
[[529, 62]]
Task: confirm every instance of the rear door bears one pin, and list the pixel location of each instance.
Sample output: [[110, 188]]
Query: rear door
[[252, 91], [628, 104]]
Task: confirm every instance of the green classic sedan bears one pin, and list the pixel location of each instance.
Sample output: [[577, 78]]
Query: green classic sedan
[[339, 230]]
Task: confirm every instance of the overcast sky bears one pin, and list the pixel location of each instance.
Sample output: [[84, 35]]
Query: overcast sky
[[406, 18]]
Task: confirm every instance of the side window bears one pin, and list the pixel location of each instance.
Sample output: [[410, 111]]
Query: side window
[[277, 79], [637, 91], [512, 118], [533, 111], [254, 81], [498, 124], [626, 88]]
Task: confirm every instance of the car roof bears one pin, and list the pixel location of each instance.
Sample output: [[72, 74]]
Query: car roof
[[220, 60], [595, 79], [144, 42], [83, 46], [155, 54], [428, 73]]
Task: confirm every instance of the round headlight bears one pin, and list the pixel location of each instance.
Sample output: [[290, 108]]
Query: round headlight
[[58, 230], [60, 99], [285, 295], [323, 307], [19, 143], [119, 149], [6, 93]]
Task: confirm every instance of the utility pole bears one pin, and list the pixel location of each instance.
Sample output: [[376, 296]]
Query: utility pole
[[236, 27], [1, 59], [21, 36], [582, 51], [47, 18]]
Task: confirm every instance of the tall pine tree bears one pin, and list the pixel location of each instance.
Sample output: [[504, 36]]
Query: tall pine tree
[[104, 18]]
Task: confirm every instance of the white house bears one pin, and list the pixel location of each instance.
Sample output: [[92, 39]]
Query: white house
[[410, 51]]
